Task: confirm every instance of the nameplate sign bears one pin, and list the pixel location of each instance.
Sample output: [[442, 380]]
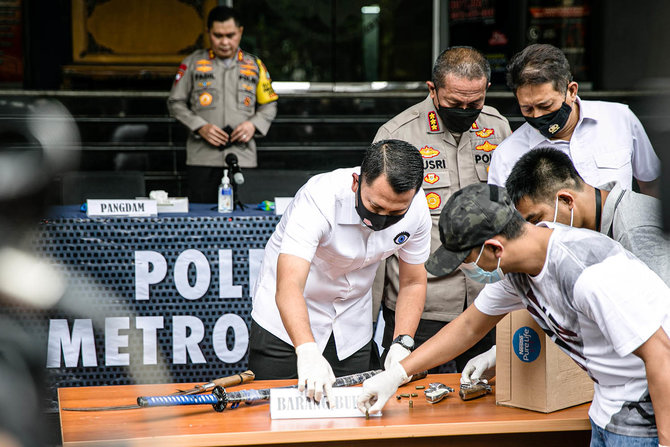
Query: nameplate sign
[[289, 403], [121, 208]]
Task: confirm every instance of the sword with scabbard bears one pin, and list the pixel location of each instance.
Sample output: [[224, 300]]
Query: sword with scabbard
[[237, 379], [220, 398]]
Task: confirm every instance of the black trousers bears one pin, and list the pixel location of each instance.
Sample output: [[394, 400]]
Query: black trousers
[[428, 328], [272, 358], [203, 184]]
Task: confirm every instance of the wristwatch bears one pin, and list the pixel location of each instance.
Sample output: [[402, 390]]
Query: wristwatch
[[405, 341]]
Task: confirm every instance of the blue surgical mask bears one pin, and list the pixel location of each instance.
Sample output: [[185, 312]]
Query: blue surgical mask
[[556, 212], [478, 274]]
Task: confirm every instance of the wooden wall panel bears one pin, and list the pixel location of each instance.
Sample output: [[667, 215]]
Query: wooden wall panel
[[138, 32]]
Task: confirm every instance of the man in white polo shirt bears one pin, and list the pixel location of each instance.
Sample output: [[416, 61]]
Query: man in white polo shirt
[[605, 140], [312, 305]]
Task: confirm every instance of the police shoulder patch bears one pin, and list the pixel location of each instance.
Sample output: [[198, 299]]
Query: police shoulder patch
[[486, 147], [401, 238], [428, 152], [434, 200], [485, 133], [433, 124]]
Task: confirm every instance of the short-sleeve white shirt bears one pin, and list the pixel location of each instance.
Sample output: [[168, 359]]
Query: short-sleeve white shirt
[[321, 225], [599, 303], [608, 144]]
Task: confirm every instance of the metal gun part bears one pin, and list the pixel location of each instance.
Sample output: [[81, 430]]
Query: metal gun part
[[474, 390], [436, 392]]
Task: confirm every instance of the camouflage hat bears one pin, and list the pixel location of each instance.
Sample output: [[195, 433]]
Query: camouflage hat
[[471, 216]]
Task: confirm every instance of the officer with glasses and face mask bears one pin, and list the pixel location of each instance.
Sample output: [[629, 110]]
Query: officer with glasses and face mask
[[312, 304], [605, 140], [600, 304]]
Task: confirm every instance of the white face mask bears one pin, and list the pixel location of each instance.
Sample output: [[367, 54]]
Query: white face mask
[[556, 211]]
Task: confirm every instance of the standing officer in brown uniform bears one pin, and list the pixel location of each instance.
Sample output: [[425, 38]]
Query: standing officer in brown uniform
[[224, 96], [456, 135]]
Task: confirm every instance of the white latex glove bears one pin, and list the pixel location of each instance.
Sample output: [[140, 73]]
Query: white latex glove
[[378, 389], [314, 372], [396, 353], [477, 368]]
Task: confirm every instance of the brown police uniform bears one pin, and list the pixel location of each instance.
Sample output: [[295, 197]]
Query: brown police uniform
[[448, 166], [206, 90]]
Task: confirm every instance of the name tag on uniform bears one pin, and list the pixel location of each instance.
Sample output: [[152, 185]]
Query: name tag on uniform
[[121, 208], [289, 403]]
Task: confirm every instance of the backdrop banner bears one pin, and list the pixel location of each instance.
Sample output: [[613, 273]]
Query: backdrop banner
[[149, 300]]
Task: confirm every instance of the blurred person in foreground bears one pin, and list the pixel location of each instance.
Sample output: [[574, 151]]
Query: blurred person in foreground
[[38, 140]]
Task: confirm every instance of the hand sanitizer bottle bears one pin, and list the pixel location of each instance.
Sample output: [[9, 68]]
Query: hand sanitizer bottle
[[225, 194]]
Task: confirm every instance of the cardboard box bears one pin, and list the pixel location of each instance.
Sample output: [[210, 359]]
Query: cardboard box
[[544, 379]]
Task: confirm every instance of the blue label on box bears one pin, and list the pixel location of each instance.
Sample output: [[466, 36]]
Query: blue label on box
[[526, 344]]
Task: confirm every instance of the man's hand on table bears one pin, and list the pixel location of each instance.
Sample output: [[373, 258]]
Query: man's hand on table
[[314, 372], [396, 353], [377, 390], [480, 367]]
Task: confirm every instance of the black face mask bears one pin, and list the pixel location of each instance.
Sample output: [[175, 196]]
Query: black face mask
[[457, 119], [374, 221], [551, 123]]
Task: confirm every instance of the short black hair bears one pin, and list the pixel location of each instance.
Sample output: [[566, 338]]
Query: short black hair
[[540, 173], [514, 228], [221, 14], [539, 64], [464, 62], [398, 160]]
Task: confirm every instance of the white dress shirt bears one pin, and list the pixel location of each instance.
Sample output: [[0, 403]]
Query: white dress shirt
[[608, 144], [321, 225]]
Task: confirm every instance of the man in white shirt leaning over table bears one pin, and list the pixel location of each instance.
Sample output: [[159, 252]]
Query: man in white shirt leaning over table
[[312, 304]]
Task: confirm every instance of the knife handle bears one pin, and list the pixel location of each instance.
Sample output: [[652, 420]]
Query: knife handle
[[237, 379]]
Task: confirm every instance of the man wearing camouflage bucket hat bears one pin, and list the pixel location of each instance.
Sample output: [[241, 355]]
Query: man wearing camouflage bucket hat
[[600, 304]]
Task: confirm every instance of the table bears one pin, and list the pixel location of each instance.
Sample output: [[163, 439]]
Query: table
[[451, 421]]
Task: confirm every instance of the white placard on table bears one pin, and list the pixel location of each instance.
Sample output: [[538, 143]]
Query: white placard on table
[[121, 208], [174, 205], [289, 403], [281, 203]]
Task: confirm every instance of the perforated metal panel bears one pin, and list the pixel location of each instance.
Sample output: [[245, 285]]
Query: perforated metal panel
[[98, 258]]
